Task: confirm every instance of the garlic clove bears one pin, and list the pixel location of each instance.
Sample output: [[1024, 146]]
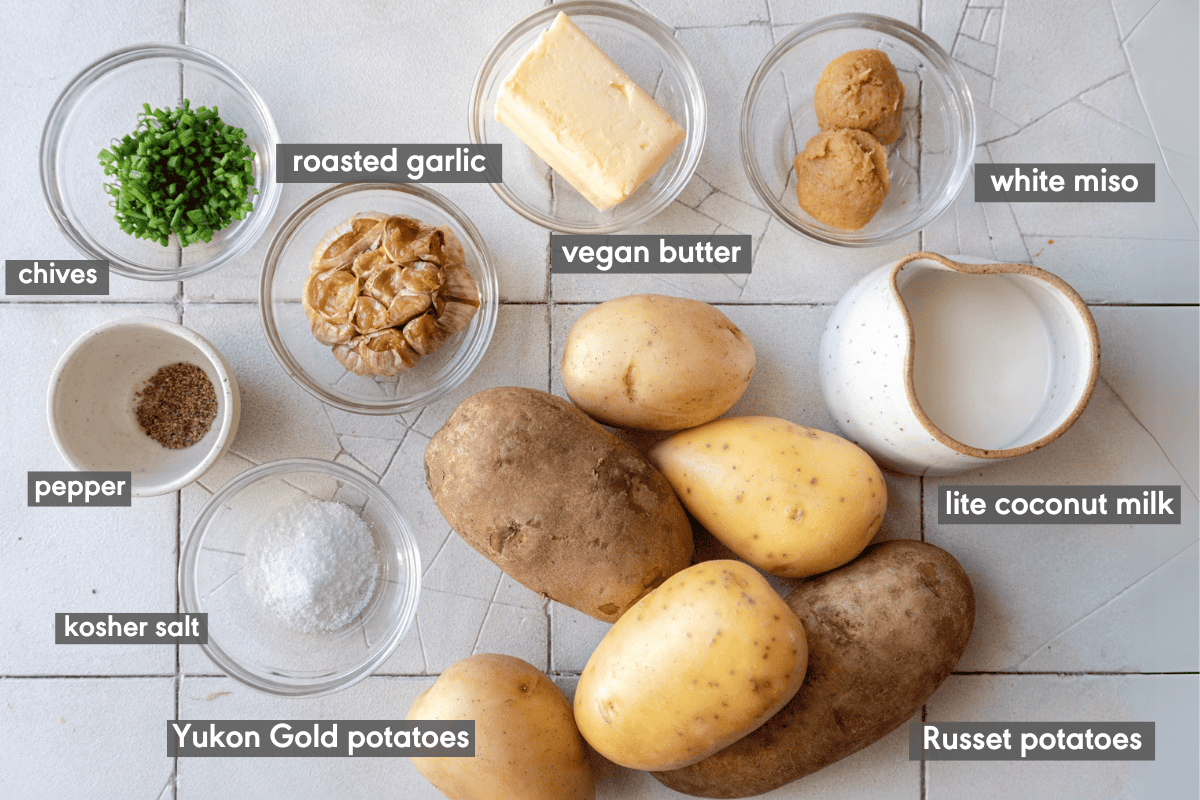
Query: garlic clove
[[370, 315], [407, 305], [387, 353], [331, 295], [424, 335], [422, 276]]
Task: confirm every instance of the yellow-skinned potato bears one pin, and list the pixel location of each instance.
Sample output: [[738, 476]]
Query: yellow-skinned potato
[[526, 742], [884, 632], [791, 500], [695, 665], [656, 363]]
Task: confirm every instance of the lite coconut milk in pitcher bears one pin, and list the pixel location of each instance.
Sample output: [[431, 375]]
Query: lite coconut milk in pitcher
[[936, 365]]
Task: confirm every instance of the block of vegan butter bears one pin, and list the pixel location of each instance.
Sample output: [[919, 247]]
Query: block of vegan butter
[[585, 117]]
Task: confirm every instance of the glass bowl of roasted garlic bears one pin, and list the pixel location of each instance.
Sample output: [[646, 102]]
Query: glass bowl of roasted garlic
[[378, 298]]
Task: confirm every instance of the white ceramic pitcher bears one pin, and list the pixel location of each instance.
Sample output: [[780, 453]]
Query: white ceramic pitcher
[[1002, 356]]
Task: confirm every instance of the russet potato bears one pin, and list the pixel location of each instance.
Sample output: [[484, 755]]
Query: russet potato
[[884, 632], [556, 501]]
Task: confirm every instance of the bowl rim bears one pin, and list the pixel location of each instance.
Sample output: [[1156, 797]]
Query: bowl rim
[[977, 265], [228, 391], [401, 533], [269, 190], [477, 346], [910, 36], [658, 31]]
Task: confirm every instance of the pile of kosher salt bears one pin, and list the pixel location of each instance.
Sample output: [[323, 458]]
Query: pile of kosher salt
[[313, 566]]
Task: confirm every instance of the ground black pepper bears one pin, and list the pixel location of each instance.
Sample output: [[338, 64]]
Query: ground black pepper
[[177, 405]]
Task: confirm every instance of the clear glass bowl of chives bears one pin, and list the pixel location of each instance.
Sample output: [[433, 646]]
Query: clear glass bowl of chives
[[146, 162]]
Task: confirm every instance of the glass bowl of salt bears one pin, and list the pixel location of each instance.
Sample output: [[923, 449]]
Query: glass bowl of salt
[[309, 574]]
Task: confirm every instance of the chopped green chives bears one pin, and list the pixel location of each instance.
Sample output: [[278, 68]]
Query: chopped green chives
[[182, 171]]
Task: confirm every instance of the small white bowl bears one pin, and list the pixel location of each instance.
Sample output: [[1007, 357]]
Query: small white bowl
[[91, 403]]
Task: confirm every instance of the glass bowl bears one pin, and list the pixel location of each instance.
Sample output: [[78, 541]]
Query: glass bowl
[[252, 645], [311, 363], [929, 163], [648, 52], [101, 105]]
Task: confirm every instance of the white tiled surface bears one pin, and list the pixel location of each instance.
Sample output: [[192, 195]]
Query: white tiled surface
[[1074, 623]]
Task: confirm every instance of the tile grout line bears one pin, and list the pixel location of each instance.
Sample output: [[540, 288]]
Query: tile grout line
[[177, 679], [995, 81], [549, 312], [188, 305], [974, 673], [921, 247], [181, 305], [922, 766]]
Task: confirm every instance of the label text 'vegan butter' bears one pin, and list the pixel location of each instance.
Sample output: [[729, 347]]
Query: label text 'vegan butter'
[[585, 117]]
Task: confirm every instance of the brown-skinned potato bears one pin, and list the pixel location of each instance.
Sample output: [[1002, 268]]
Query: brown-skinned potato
[[556, 501], [883, 633]]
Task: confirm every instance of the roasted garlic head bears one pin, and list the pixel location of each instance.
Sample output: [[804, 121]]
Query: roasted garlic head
[[383, 291]]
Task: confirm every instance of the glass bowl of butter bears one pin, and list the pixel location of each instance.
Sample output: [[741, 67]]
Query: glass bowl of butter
[[600, 114], [926, 137]]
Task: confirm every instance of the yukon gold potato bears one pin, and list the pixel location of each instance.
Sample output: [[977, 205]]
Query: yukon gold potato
[[526, 742], [884, 632], [656, 363], [697, 664], [556, 501], [792, 501]]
